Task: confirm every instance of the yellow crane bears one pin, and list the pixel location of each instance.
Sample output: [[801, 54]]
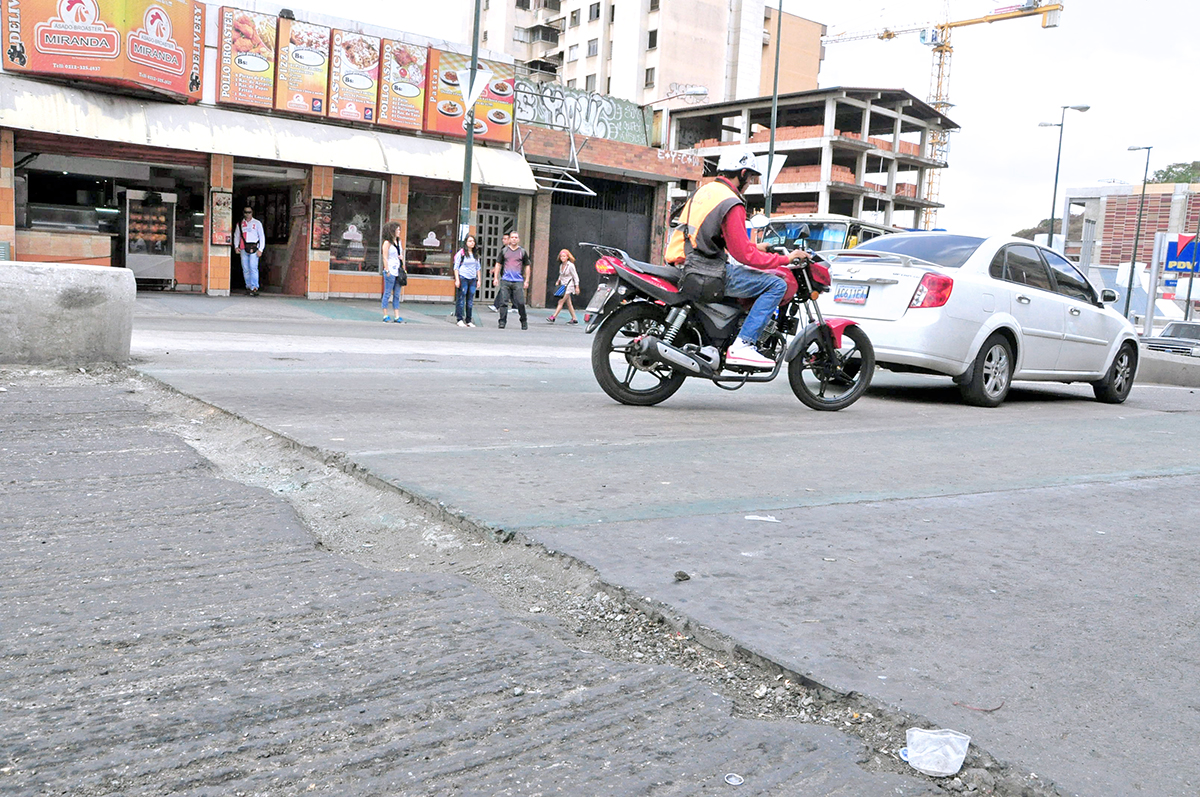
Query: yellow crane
[[937, 36]]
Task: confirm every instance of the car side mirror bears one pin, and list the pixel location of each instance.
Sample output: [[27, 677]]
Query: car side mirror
[[758, 221], [1108, 296]]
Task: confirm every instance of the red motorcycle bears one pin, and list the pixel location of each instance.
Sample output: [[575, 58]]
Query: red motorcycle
[[651, 337]]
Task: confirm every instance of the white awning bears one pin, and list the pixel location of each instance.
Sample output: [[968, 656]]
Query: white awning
[[49, 108]]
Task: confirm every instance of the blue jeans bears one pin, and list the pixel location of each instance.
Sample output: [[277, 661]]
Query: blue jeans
[[465, 296], [250, 269], [391, 289], [742, 282]]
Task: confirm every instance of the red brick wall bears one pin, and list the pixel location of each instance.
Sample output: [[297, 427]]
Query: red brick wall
[[604, 155], [1120, 226]]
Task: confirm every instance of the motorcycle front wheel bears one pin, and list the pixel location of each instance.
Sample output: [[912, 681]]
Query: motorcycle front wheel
[[825, 384], [622, 374]]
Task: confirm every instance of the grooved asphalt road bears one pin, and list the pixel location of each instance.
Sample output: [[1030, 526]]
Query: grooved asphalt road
[[931, 555], [169, 632]]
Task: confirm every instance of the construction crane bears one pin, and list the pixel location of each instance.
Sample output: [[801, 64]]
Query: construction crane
[[937, 36]]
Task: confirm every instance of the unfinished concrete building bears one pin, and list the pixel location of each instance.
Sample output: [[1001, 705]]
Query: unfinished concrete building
[[853, 151]]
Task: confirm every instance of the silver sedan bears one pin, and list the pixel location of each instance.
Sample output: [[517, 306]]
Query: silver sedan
[[984, 311]]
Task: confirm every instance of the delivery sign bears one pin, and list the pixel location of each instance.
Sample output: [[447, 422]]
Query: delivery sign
[[150, 44]]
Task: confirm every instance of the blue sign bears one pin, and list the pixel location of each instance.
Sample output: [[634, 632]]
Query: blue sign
[[1170, 283], [1181, 260]]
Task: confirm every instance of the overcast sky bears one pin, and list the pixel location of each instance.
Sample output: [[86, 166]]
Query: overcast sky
[[1132, 62]]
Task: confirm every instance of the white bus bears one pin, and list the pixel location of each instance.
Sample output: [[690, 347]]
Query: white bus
[[825, 231]]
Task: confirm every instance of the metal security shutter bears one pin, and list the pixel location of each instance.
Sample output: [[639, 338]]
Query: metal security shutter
[[49, 144]]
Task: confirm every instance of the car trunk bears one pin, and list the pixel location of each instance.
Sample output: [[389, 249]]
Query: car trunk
[[871, 288]]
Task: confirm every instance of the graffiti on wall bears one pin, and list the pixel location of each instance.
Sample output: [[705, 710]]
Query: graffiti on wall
[[583, 112]]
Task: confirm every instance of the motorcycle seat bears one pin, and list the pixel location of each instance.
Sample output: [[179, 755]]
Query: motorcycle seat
[[669, 273]]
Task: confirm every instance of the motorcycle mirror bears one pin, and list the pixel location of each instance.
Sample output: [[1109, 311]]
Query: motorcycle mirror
[[758, 221]]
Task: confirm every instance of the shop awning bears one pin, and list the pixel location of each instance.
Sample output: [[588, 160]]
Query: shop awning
[[47, 108]]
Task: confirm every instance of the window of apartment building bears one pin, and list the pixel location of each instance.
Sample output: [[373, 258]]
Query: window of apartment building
[[522, 35], [483, 38], [593, 47], [573, 52], [571, 83], [608, 85], [575, 18], [593, 12], [650, 77], [590, 83], [653, 5], [608, 51], [612, 13], [523, 4], [652, 40]]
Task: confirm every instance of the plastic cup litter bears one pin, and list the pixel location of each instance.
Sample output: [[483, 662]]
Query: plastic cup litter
[[938, 753], [734, 780]]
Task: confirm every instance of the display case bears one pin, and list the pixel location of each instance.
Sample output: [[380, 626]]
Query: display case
[[68, 218], [150, 234]]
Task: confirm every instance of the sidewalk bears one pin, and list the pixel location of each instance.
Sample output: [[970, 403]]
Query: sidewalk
[[171, 631]]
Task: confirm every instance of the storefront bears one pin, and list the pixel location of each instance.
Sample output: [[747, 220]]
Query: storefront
[[100, 178]]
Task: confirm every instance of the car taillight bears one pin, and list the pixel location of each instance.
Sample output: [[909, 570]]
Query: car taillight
[[607, 265], [934, 291]]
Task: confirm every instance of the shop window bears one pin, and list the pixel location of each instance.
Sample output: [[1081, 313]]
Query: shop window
[[357, 223], [432, 220]]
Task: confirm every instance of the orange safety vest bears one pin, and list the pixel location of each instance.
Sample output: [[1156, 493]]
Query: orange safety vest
[[700, 220]]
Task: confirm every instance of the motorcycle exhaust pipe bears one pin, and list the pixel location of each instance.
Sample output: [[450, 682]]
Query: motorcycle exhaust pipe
[[655, 349]]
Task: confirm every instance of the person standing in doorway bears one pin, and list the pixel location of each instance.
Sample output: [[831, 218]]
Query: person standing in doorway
[[394, 275], [466, 277], [495, 305], [249, 239], [511, 275], [568, 285]]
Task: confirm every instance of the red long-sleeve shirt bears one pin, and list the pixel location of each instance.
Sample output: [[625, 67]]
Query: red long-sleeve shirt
[[737, 243]]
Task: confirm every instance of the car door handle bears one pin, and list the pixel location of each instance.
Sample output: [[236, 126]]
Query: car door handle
[[1023, 299], [1074, 311]]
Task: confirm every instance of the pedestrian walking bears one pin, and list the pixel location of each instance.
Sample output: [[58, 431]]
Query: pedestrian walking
[[511, 275], [466, 277], [394, 275], [568, 285], [249, 238], [495, 305]]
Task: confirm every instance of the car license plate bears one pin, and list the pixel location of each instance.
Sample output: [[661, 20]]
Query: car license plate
[[601, 295], [851, 294]]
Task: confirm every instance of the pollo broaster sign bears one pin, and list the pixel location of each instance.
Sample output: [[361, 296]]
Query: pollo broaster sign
[[153, 44]]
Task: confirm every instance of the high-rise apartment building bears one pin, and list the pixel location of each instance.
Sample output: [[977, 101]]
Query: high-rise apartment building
[[645, 50]]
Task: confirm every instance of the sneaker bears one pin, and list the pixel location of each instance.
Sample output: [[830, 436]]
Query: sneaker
[[524, 325], [501, 324], [462, 323], [472, 326], [493, 308], [387, 318], [573, 321], [550, 320], [744, 355]]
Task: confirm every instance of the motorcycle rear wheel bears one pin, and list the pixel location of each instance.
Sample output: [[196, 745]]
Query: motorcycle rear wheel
[[623, 375], [829, 386]]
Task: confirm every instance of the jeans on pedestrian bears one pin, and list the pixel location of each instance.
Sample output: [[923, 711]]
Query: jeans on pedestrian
[[250, 269], [464, 299], [742, 282], [512, 292], [391, 288]]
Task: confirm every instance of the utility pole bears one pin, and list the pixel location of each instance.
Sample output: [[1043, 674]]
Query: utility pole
[[464, 216], [767, 185]]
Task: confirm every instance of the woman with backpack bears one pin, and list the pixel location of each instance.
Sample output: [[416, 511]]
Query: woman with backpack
[[466, 277]]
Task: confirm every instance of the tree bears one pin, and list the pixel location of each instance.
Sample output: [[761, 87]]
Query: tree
[[1178, 173], [1043, 227]]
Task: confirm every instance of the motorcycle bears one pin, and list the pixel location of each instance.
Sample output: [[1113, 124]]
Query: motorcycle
[[652, 337]]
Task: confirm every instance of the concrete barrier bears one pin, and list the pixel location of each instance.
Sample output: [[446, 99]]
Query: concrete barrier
[[1161, 368], [65, 314]]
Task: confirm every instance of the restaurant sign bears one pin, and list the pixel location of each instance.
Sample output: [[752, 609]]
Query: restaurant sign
[[402, 84], [151, 44], [302, 72], [446, 112], [247, 58]]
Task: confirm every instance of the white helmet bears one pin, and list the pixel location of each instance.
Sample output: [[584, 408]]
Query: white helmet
[[735, 159]]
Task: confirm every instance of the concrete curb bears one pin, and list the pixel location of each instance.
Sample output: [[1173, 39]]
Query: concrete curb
[[1161, 368], [65, 314]]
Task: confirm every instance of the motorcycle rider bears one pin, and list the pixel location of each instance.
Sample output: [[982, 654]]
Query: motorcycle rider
[[715, 224]]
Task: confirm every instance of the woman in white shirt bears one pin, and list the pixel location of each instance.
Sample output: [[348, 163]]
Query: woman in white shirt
[[394, 275]]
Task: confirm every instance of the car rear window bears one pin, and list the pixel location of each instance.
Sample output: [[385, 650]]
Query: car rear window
[[950, 251]]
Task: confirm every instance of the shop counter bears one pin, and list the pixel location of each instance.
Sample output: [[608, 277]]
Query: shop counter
[[65, 246]]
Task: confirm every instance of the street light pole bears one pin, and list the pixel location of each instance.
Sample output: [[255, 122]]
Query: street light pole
[[464, 215], [1057, 164], [1137, 234], [767, 185]]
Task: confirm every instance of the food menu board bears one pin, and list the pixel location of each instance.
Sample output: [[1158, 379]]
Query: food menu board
[[322, 224], [402, 84], [445, 110], [247, 58], [302, 71], [151, 44], [354, 76]]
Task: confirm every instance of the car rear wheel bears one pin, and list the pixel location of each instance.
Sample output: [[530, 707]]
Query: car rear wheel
[[991, 376], [1114, 388]]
